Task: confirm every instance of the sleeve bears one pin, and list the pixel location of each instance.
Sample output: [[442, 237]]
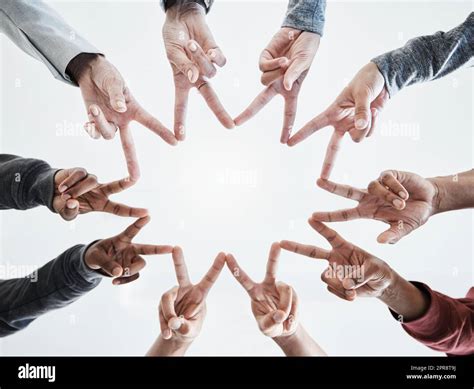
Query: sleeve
[[55, 285], [25, 183], [447, 325], [165, 4], [428, 57], [42, 33], [306, 15]]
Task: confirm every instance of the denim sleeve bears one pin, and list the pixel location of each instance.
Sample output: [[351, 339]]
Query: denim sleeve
[[25, 183], [55, 285], [428, 57], [41, 32], [306, 15]]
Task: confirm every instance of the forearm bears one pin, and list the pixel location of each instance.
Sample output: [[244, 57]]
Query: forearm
[[42, 33], [454, 192], [405, 299], [55, 285], [306, 15], [168, 348], [25, 183], [299, 344], [427, 57]]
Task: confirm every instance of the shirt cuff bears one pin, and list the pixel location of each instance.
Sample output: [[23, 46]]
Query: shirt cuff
[[86, 273], [306, 16], [44, 187]]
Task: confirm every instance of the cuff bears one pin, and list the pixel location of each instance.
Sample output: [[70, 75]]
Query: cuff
[[306, 16], [167, 4], [44, 186], [87, 274]]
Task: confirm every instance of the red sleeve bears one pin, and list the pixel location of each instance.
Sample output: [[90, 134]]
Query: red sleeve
[[448, 325]]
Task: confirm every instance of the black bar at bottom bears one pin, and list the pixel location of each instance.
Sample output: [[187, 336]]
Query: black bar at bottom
[[322, 372]]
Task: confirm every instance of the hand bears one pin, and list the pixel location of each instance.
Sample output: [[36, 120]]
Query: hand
[[78, 192], [403, 200], [274, 304], [183, 308], [112, 107], [118, 257], [352, 271], [355, 111], [284, 64], [192, 53]]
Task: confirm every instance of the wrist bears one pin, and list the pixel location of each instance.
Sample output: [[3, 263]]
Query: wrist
[[89, 256], [179, 8], [81, 65], [287, 340], [170, 347]]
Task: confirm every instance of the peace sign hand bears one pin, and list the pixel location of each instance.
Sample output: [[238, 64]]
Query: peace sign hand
[[274, 304], [183, 308], [354, 111], [403, 200], [118, 257], [78, 192], [352, 271]]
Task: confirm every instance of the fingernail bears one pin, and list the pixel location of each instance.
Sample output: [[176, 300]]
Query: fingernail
[[192, 46], [121, 105], [94, 111], [167, 333], [190, 75], [398, 203], [66, 196], [62, 188], [283, 61], [403, 195], [116, 272], [360, 124], [212, 53], [71, 205], [174, 323], [278, 316]]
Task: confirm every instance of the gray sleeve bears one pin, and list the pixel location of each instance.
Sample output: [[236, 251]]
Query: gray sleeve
[[42, 33], [306, 15], [165, 4], [25, 183], [55, 285], [428, 57]]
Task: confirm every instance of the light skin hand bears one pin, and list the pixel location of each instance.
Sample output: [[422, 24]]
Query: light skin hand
[[354, 111], [275, 307], [78, 192], [119, 257], [111, 107], [284, 64], [193, 54], [183, 308], [353, 272], [403, 200]]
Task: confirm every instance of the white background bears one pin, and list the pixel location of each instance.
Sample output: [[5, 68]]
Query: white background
[[191, 205]]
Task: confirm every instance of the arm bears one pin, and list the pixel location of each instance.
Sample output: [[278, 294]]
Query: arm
[[454, 192], [440, 322], [299, 344], [168, 348], [428, 57], [306, 15], [42, 33], [25, 182], [55, 285]]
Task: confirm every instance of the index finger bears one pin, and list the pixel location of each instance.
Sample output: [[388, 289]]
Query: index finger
[[320, 121], [153, 124], [256, 105], [347, 191], [304, 249], [213, 273], [180, 267], [272, 264], [117, 186], [132, 230], [215, 105], [151, 249], [128, 146], [247, 283], [334, 239], [331, 154]]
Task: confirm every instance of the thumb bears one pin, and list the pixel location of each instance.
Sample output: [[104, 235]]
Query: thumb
[[70, 210], [362, 111], [294, 71], [114, 89], [112, 268]]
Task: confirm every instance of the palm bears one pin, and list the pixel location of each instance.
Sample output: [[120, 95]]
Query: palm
[[183, 308], [274, 304]]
